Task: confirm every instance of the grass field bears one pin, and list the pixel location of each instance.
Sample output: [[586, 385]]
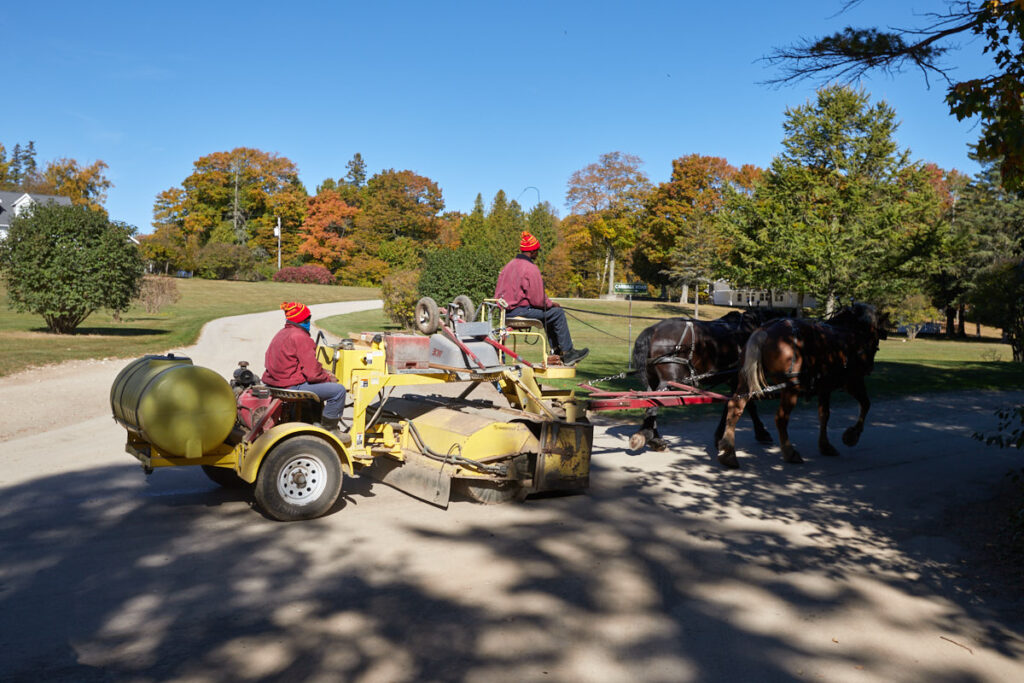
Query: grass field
[[24, 341], [902, 367]]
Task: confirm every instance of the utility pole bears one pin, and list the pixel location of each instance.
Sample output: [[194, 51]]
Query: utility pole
[[277, 232]]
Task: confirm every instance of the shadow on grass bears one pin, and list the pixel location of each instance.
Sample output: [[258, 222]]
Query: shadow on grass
[[112, 331], [894, 379]]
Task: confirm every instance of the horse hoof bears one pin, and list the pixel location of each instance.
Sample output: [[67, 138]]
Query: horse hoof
[[851, 436], [792, 456], [765, 438], [637, 441], [657, 444], [729, 461]]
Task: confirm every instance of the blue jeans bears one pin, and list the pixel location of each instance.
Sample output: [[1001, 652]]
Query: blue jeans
[[331, 393], [554, 324]]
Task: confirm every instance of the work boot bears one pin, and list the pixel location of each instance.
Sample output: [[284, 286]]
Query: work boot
[[574, 356], [331, 425]]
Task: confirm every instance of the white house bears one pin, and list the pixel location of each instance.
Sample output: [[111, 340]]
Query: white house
[[13, 203], [723, 294]]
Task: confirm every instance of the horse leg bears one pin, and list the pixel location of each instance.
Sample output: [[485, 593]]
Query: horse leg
[[857, 389], [824, 412], [786, 404], [761, 432], [727, 444], [648, 433]]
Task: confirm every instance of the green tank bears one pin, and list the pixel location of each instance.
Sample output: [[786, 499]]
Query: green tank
[[178, 407]]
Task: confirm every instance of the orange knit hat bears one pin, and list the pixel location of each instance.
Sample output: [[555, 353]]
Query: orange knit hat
[[528, 242], [295, 312]]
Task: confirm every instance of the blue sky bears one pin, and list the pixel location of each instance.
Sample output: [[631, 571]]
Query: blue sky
[[476, 96]]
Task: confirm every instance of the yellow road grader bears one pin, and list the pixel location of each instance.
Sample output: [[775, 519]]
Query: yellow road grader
[[412, 420]]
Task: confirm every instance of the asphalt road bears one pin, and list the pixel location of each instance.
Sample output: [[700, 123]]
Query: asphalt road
[[867, 567]]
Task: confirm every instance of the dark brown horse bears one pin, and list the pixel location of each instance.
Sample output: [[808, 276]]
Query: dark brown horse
[[807, 358], [694, 352]]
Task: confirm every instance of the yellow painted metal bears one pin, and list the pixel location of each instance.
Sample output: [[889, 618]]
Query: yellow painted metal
[[181, 408], [539, 424], [251, 455]]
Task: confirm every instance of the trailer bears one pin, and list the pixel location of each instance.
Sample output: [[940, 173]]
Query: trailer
[[412, 420]]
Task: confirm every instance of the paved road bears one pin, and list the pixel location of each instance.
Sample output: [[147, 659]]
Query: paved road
[[857, 568]]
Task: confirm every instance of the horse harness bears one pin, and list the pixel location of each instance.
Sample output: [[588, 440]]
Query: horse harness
[[671, 356]]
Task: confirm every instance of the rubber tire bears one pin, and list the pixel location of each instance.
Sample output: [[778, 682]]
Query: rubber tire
[[222, 476], [428, 318], [311, 453], [465, 306], [487, 492]]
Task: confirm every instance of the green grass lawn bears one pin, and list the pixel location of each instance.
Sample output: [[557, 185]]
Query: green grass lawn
[[24, 341], [902, 367]]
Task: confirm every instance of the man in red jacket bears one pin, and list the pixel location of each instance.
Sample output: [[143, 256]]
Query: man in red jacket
[[291, 364], [521, 286]]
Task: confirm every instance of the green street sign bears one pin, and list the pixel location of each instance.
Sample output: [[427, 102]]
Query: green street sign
[[630, 287]]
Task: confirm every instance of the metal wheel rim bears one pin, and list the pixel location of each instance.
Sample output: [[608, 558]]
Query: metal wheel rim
[[302, 480]]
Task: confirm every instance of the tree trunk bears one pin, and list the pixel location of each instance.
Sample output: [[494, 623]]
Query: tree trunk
[[611, 271], [685, 296], [961, 309], [696, 302], [950, 321]]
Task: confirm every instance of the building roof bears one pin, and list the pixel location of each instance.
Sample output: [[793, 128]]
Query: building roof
[[9, 200]]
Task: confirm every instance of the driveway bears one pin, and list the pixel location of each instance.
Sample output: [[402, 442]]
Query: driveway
[[873, 566]]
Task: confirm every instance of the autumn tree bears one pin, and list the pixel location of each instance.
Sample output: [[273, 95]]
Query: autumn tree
[[326, 230], [236, 197], [842, 212], [84, 185], [608, 197], [397, 224], [996, 97], [680, 240]]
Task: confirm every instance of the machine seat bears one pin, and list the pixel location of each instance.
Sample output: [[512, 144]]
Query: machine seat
[[520, 323], [293, 394]]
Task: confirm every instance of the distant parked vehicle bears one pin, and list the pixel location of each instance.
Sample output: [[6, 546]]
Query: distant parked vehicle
[[922, 329]]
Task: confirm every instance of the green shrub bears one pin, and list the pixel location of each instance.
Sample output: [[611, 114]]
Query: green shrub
[[448, 273], [399, 291], [64, 262], [223, 261]]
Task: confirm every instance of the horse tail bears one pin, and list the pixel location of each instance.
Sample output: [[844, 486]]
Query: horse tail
[[642, 354], [752, 370]]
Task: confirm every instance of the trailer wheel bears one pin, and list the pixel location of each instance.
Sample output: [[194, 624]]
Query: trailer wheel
[[464, 308], [428, 318], [299, 479], [223, 477], [488, 492]]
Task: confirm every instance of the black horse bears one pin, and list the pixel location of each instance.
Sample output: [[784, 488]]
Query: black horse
[[807, 358], [694, 352]]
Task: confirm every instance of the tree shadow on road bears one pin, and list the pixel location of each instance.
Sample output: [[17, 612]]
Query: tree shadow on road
[[668, 570]]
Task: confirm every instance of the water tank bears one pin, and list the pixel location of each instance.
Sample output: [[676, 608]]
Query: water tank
[[178, 407]]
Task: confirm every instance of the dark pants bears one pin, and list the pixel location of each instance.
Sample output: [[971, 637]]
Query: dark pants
[[331, 393], [554, 324]]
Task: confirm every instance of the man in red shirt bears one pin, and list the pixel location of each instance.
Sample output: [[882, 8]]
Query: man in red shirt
[[521, 286], [291, 364]]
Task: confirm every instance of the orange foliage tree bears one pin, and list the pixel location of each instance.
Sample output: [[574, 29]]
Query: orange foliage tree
[[679, 238], [325, 230], [236, 197]]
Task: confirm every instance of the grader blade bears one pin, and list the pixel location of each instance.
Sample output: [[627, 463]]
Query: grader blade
[[417, 476]]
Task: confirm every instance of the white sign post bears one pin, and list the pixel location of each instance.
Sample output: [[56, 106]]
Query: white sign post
[[630, 288]]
